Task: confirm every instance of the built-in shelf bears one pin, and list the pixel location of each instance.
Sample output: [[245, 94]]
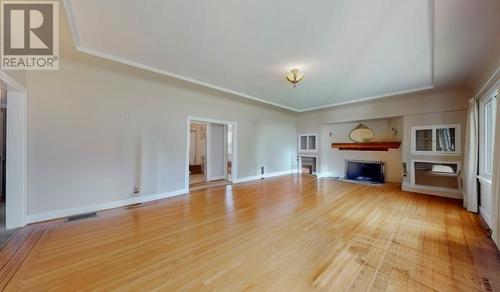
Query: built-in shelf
[[368, 146]]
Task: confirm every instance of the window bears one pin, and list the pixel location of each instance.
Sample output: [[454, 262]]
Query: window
[[423, 140], [487, 120], [489, 129], [307, 142], [436, 140]]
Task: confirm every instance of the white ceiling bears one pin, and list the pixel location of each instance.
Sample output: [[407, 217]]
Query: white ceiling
[[350, 50]]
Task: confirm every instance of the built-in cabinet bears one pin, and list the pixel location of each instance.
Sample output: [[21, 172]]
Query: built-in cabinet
[[308, 142], [438, 176], [436, 140]]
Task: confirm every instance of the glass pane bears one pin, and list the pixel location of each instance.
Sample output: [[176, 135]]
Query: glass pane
[[445, 140], [488, 143], [312, 142], [303, 142], [443, 175], [423, 140]]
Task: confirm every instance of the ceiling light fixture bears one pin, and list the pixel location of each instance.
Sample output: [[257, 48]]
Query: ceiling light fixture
[[294, 76]]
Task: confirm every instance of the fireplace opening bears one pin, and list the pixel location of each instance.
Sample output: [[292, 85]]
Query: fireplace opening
[[308, 164], [366, 171]]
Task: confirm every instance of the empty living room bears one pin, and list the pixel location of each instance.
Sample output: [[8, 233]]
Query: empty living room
[[249, 145]]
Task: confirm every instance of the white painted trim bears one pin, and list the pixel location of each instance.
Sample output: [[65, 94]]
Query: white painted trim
[[97, 53], [17, 153], [325, 174], [487, 98], [299, 169], [216, 178], [440, 192], [208, 151], [488, 83], [208, 121], [103, 206], [307, 138], [226, 152], [266, 175], [430, 190], [484, 180], [12, 83], [486, 216], [362, 99], [176, 76], [458, 140]]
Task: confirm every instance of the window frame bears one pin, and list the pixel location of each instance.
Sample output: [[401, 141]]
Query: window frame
[[489, 99], [307, 143], [434, 151]]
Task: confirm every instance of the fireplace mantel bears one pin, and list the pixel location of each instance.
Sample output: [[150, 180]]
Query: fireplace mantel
[[367, 146]]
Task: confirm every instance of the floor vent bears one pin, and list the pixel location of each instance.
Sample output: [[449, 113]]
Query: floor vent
[[486, 284], [81, 217], [133, 206], [139, 205]]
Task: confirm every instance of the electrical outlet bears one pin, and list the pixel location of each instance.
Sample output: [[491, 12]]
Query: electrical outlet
[[137, 189]]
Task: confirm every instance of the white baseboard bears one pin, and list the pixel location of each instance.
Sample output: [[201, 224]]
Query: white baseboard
[[434, 192], [486, 216], [99, 207], [265, 175], [134, 200], [324, 174]]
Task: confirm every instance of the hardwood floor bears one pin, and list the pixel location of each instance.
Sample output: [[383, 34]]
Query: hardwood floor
[[292, 233]]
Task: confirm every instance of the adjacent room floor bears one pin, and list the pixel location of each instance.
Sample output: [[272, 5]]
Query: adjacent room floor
[[5, 234], [292, 233]]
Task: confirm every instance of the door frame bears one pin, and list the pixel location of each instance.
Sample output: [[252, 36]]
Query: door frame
[[17, 153], [194, 119]]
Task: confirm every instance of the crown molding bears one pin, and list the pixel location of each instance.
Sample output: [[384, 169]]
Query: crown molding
[[80, 48]]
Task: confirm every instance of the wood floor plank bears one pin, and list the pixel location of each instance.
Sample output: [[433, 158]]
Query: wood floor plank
[[293, 233]]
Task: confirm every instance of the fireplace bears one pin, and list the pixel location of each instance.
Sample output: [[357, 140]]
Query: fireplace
[[366, 171], [308, 164]]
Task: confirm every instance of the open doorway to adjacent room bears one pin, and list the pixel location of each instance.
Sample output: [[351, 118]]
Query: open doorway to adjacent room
[[211, 153], [5, 232], [197, 153]]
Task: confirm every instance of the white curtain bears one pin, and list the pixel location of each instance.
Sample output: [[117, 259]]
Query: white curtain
[[444, 140], [471, 158], [495, 189]]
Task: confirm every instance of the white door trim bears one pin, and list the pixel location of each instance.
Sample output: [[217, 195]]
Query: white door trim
[[235, 146], [17, 153]]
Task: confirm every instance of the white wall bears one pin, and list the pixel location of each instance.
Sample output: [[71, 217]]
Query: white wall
[[96, 128], [217, 154]]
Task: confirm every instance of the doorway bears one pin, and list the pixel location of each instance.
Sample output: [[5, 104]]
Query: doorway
[[197, 153], [5, 233], [211, 152]]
